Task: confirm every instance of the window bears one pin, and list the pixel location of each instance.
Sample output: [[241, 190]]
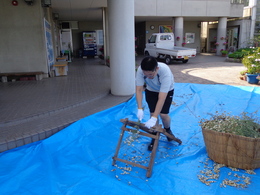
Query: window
[[239, 1], [257, 27], [152, 39], [165, 37]]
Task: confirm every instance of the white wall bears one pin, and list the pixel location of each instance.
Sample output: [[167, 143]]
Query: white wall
[[192, 27], [173, 8], [22, 42], [244, 33]]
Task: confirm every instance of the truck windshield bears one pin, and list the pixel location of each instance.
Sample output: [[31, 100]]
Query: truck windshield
[[152, 39]]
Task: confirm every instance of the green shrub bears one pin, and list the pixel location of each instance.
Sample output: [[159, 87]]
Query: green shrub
[[236, 55], [240, 53]]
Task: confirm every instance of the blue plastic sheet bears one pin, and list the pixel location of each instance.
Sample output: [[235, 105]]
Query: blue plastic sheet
[[78, 159]]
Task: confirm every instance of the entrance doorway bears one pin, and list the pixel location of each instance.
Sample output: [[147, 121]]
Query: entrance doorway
[[232, 38], [66, 43]]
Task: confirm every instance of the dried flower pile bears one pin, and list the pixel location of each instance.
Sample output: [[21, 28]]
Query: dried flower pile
[[244, 125]]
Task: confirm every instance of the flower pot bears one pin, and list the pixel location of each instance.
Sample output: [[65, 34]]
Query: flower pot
[[232, 150], [243, 77], [251, 78]]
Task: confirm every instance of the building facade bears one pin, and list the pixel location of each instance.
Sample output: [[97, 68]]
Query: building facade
[[28, 33]]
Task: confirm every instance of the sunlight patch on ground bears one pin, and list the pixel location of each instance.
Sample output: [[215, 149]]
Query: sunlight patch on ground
[[226, 72]]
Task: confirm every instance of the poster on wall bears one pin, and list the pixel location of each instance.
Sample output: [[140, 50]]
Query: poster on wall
[[49, 46], [190, 37], [165, 29]]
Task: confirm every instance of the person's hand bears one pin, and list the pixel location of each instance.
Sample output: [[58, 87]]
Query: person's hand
[[140, 114], [151, 122]]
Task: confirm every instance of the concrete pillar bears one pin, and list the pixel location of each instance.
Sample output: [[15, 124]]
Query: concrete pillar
[[121, 46], [178, 31], [106, 34], [173, 25], [253, 4], [222, 33]]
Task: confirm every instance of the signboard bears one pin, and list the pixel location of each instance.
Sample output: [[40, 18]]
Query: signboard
[[49, 46], [165, 29], [190, 37]]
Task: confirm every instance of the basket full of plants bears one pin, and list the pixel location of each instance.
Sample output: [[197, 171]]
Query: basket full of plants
[[233, 140]]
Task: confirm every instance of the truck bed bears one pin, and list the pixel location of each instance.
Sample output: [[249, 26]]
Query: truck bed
[[177, 51]]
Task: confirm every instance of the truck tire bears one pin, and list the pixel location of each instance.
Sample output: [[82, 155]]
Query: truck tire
[[185, 61], [146, 53], [167, 60]]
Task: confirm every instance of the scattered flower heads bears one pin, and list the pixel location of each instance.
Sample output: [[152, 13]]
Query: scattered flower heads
[[211, 173]]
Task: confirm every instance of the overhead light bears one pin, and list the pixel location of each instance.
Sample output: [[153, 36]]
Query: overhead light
[[46, 3], [29, 2], [55, 16]]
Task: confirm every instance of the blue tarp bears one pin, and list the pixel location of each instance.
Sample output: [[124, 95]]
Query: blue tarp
[[78, 159]]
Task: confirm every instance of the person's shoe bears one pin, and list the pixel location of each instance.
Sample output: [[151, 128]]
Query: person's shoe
[[170, 132], [150, 147]]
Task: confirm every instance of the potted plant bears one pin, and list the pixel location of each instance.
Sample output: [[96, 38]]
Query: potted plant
[[252, 63], [243, 75], [224, 52], [101, 56], [233, 140], [177, 38]]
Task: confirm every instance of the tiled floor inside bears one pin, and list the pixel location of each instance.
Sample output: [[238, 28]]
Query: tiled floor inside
[[34, 110]]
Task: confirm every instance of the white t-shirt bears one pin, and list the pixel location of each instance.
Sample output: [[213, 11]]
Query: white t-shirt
[[162, 82]]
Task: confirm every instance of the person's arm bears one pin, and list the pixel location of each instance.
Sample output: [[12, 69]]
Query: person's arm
[[139, 96]]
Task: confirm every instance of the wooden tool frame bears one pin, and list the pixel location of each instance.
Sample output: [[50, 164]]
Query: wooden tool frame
[[154, 133]]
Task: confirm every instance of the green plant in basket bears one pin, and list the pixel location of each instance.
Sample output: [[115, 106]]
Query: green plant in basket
[[243, 125]]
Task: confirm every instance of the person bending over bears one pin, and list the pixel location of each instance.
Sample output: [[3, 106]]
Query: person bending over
[[159, 92]]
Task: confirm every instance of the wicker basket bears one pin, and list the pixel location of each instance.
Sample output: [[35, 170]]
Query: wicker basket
[[232, 150]]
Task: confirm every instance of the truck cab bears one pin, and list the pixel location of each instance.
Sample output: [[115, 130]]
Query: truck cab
[[161, 46]]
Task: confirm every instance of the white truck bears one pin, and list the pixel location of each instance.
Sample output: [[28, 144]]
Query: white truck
[[161, 46]]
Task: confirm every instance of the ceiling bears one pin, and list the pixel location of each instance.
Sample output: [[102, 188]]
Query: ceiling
[[79, 10], [91, 10]]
